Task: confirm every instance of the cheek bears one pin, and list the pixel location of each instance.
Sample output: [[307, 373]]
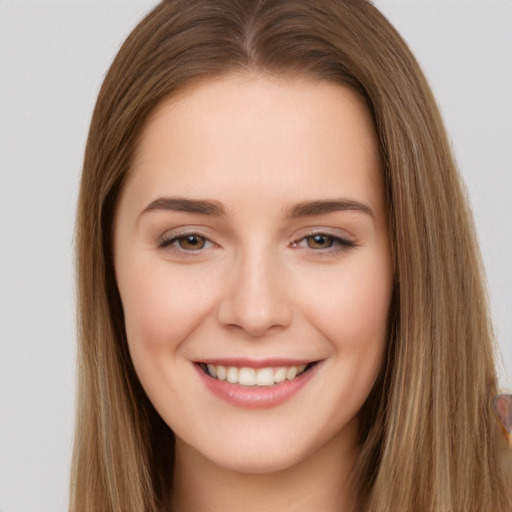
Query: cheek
[[353, 317], [162, 307], [353, 309]]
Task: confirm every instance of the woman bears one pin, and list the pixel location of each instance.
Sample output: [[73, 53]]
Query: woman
[[279, 283]]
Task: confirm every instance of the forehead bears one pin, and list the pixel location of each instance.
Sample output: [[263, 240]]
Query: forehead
[[288, 137]]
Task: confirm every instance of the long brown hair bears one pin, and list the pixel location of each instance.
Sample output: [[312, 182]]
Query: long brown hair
[[429, 441]]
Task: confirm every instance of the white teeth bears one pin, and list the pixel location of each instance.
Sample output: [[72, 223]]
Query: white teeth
[[221, 372], [265, 377], [280, 375], [291, 372], [212, 370], [254, 377], [246, 377], [232, 375]]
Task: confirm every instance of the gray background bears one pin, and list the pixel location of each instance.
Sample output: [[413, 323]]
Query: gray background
[[53, 56]]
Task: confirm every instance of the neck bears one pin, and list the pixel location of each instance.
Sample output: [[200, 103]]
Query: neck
[[318, 483]]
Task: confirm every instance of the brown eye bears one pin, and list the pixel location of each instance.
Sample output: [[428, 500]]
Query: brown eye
[[191, 242], [320, 241]]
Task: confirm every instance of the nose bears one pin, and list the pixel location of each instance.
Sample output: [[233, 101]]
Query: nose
[[256, 297]]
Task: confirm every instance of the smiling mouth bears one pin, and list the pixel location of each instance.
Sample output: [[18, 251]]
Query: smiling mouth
[[250, 377]]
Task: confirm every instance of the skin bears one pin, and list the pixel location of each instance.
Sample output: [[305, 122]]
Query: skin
[[259, 285]]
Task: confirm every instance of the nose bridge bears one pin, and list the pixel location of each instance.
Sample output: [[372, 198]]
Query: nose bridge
[[256, 298]]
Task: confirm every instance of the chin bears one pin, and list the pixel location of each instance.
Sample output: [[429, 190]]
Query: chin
[[268, 451], [259, 463]]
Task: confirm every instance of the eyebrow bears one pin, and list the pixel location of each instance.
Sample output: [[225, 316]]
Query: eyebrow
[[310, 208], [181, 204], [219, 209]]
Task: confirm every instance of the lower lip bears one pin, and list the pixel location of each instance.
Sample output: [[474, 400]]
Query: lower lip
[[256, 397]]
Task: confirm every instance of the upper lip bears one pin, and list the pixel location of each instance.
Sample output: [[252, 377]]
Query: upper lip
[[241, 362]]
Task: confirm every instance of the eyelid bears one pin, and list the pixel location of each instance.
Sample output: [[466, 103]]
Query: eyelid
[[340, 243], [169, 241]]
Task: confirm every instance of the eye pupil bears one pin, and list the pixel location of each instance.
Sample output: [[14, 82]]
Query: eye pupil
[[320, 242], [192, 242]]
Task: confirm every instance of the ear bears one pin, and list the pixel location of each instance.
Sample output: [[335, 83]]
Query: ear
[[503, 408]]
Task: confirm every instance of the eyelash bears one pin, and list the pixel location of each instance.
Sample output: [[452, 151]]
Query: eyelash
[[173, 241], [338, 245]]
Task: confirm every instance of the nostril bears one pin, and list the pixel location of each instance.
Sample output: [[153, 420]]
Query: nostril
[[256, 298], [253, 323]]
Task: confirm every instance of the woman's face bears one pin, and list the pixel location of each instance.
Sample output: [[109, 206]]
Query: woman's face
[[253, 262]]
